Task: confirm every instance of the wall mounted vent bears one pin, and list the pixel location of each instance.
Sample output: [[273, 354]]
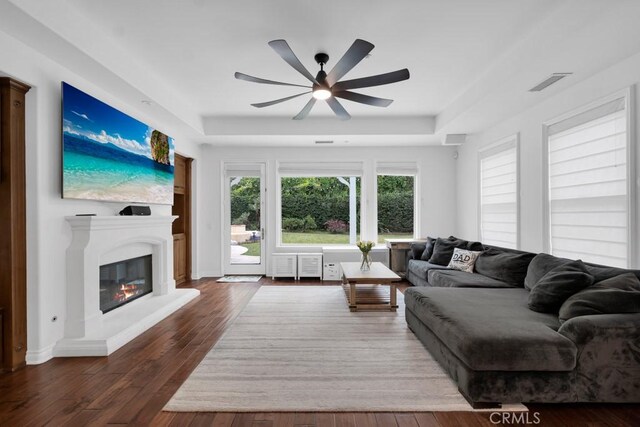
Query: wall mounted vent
[[549, 81], [454, 139], [324, 142]]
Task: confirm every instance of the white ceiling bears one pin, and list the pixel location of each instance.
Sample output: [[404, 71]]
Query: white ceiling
[[466, 57]]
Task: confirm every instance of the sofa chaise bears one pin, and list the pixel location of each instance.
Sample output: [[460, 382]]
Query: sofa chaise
[[481, 329]]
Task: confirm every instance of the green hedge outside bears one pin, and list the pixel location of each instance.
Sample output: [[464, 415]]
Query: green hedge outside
[[395, 210]]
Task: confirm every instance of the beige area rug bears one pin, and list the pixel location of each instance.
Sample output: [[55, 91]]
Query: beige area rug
[[299, 348]]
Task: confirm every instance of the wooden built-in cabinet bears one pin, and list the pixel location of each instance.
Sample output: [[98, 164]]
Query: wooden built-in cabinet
[[13, 225], [181, 227], [398, 251]]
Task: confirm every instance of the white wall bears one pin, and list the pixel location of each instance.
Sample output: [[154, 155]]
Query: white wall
[[437, 186], [48, 234], [529, 125]]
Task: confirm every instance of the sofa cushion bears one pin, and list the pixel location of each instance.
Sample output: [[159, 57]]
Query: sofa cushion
[[428, 249], [619, 294], [462, 279], [492, 329], [422, 268], [603, 272], [506, 266], [540, 265], [557, 285], [443, 249]]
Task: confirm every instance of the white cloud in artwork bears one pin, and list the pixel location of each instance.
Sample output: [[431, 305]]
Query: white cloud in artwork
[[67, 129], [84, 116], [130, 145]]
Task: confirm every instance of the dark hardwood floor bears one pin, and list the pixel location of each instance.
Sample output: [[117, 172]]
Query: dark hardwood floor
[[131, 386]]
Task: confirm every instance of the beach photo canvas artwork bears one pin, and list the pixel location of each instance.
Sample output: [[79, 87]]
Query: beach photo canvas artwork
[[110, 156]]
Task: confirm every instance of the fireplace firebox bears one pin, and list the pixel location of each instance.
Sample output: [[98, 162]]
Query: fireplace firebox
[[124, 281]]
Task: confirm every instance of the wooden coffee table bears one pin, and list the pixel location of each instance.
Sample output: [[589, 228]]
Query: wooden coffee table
[[379, 274]]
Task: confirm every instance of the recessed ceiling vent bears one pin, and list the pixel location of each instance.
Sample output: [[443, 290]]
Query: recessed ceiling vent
[[324, 142], [549, 81]]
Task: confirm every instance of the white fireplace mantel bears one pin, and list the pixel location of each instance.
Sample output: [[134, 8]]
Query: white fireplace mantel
[[100, 240]]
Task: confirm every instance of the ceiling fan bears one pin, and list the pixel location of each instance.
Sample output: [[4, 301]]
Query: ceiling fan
[[327, 87]]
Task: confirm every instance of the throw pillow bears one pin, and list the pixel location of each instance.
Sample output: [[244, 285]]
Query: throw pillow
[[443, 249], [417, 249], [540, 265], [555, 287], [619, 294], [428, 249], [472, 246], [463, 260], [505, 265]]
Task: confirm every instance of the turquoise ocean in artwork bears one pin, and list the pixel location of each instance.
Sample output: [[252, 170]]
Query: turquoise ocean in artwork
[[97, 171]]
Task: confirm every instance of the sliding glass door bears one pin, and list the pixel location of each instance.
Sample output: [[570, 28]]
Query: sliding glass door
[[243, 245]]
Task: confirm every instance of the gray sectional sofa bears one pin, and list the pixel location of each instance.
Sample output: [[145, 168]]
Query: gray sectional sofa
[[480, 328]]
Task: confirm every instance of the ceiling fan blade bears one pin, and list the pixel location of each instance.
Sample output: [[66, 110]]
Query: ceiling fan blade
[[282, 48], [377, 80], [338, 109], [305, 111], [248, 78], [363, 99], [356, 53], [278, 101]]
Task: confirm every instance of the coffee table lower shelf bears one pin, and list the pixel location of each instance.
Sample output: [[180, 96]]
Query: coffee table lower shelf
[[370, 297]]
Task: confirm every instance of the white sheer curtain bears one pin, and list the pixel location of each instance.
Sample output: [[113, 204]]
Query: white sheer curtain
[[499, 194], [588, 188]]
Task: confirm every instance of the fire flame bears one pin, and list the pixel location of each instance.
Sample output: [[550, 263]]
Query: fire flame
[[126, 291]]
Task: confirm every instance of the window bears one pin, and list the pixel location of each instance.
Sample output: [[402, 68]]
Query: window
[[499, 194], [396, 188], [319, 203], [588, 184]]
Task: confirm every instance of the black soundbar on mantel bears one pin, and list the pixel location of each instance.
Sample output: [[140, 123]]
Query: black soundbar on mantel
[[136, 210]]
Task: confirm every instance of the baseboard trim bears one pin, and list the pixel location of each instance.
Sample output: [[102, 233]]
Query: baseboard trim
[[36, 357], [205, 274]]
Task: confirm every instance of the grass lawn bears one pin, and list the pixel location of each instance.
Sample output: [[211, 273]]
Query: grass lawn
[[325, 238], [315, 237], [253, 248]]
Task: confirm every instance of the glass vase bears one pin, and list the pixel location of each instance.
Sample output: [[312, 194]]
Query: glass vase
[[365, 262]]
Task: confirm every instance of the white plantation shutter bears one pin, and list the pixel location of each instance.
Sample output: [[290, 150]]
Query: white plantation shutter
[[499, 195], [588, 189]]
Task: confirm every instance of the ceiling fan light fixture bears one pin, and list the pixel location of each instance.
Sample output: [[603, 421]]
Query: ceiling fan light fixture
[[321, 93], [329, 87]]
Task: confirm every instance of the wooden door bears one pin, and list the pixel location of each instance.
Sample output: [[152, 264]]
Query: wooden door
[[179, 257], [13, 225], [182, 224]]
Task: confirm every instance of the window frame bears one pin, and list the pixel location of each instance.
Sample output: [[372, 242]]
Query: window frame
[[398, 169], [503, 144], [316, 169], [629, 99], [368, 173]]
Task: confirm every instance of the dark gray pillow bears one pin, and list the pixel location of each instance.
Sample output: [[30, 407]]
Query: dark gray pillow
[[619, 294], [468, 245], [603, 272], [443, 249], [508, 267], [555, 287], [417, 249], [540, 265], [428, 249]]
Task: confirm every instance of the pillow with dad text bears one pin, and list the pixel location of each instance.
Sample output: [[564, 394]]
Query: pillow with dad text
[[463, 260]]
